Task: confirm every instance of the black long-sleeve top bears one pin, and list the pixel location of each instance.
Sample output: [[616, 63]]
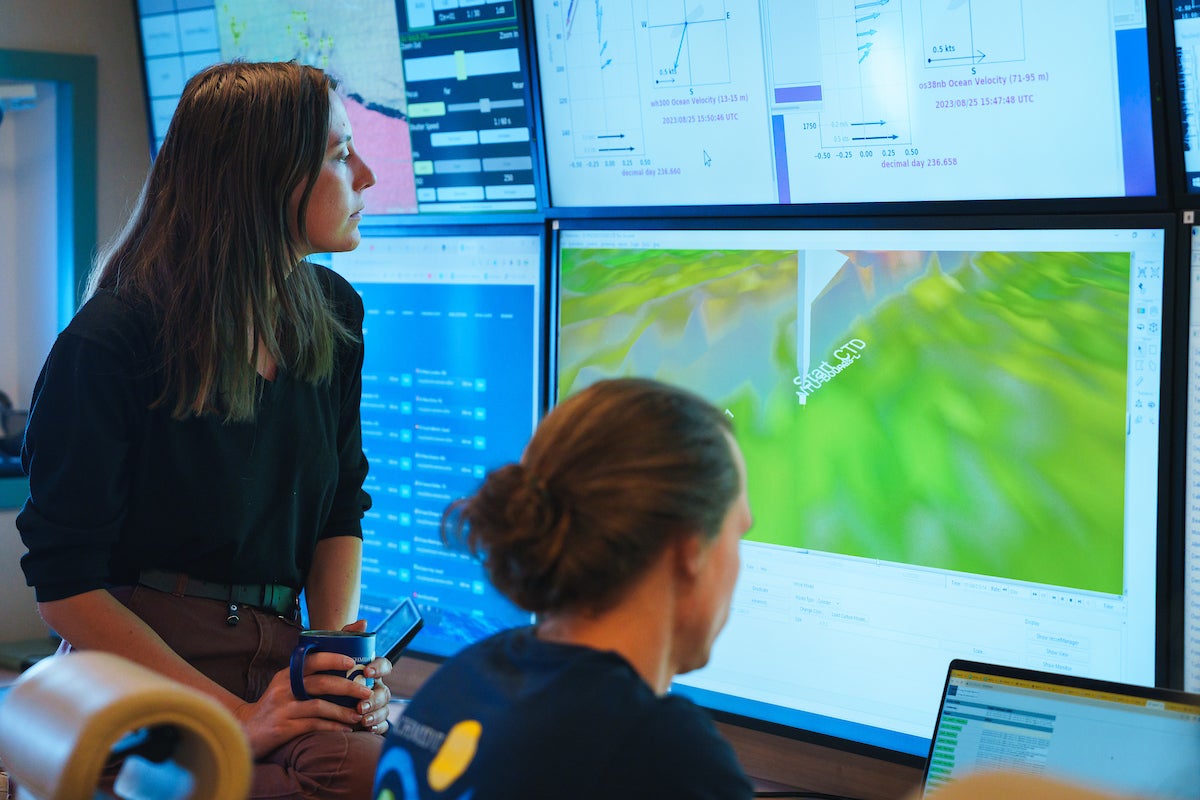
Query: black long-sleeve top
[[116, 487]]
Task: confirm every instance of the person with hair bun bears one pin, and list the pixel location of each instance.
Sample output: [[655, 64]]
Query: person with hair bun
[[619, 528]]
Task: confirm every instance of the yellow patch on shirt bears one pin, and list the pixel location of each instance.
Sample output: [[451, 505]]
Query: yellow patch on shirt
[[455, 754]]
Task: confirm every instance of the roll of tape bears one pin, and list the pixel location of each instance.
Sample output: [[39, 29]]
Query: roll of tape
[[60, 720]]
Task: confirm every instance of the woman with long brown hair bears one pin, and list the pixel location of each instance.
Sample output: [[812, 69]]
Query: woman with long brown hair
[[194, 444]]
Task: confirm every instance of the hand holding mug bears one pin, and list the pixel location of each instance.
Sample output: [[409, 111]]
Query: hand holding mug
[[358, 645]]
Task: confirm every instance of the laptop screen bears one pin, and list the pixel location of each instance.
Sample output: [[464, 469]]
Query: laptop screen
[[1107, 736]]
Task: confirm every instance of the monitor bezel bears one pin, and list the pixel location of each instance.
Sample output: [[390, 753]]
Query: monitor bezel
[[1172, 563]]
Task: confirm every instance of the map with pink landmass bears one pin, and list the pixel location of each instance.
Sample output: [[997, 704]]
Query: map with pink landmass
[[383, 143]]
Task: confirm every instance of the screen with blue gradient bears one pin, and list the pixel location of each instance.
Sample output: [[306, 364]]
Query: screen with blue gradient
[[451, 390]]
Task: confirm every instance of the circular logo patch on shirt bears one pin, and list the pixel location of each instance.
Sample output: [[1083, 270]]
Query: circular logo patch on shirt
[[455, 754]]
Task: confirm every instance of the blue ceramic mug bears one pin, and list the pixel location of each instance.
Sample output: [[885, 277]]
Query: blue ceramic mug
[[358, 645]]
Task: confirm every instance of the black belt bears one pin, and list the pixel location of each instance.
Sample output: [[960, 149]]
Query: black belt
[[269, 596]]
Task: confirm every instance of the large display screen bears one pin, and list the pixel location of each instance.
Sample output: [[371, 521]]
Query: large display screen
[[669, 103], [1186, 17], [440, 409], [952, 445], [437, 92], [1191, 497]]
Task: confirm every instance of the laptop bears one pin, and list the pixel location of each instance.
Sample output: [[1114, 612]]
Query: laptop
[[1110, 737]]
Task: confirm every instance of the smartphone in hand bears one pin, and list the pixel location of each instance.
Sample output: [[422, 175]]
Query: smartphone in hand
[[398, 629]]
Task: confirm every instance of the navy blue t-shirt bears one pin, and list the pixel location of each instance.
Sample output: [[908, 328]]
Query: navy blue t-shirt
[[516, 717]]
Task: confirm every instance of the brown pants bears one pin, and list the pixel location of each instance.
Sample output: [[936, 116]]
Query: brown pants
[[242, 658]]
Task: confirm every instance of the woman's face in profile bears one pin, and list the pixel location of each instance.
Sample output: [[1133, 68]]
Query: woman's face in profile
[[336, 203]]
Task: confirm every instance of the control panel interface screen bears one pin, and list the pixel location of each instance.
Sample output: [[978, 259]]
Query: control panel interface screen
[[436, 92]]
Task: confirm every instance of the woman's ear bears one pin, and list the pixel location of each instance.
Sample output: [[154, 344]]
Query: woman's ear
[[691, 552]]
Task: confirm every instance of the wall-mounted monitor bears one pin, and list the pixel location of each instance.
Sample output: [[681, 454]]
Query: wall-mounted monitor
[[952, 441], [1190, 601], [440, 409], [669, 103], [1185, 18], [437, 91]]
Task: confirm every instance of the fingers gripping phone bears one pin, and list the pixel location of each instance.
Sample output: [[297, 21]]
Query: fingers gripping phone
[[398, 629]]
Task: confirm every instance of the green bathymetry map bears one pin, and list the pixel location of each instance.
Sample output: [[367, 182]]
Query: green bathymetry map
[[979, 426]]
